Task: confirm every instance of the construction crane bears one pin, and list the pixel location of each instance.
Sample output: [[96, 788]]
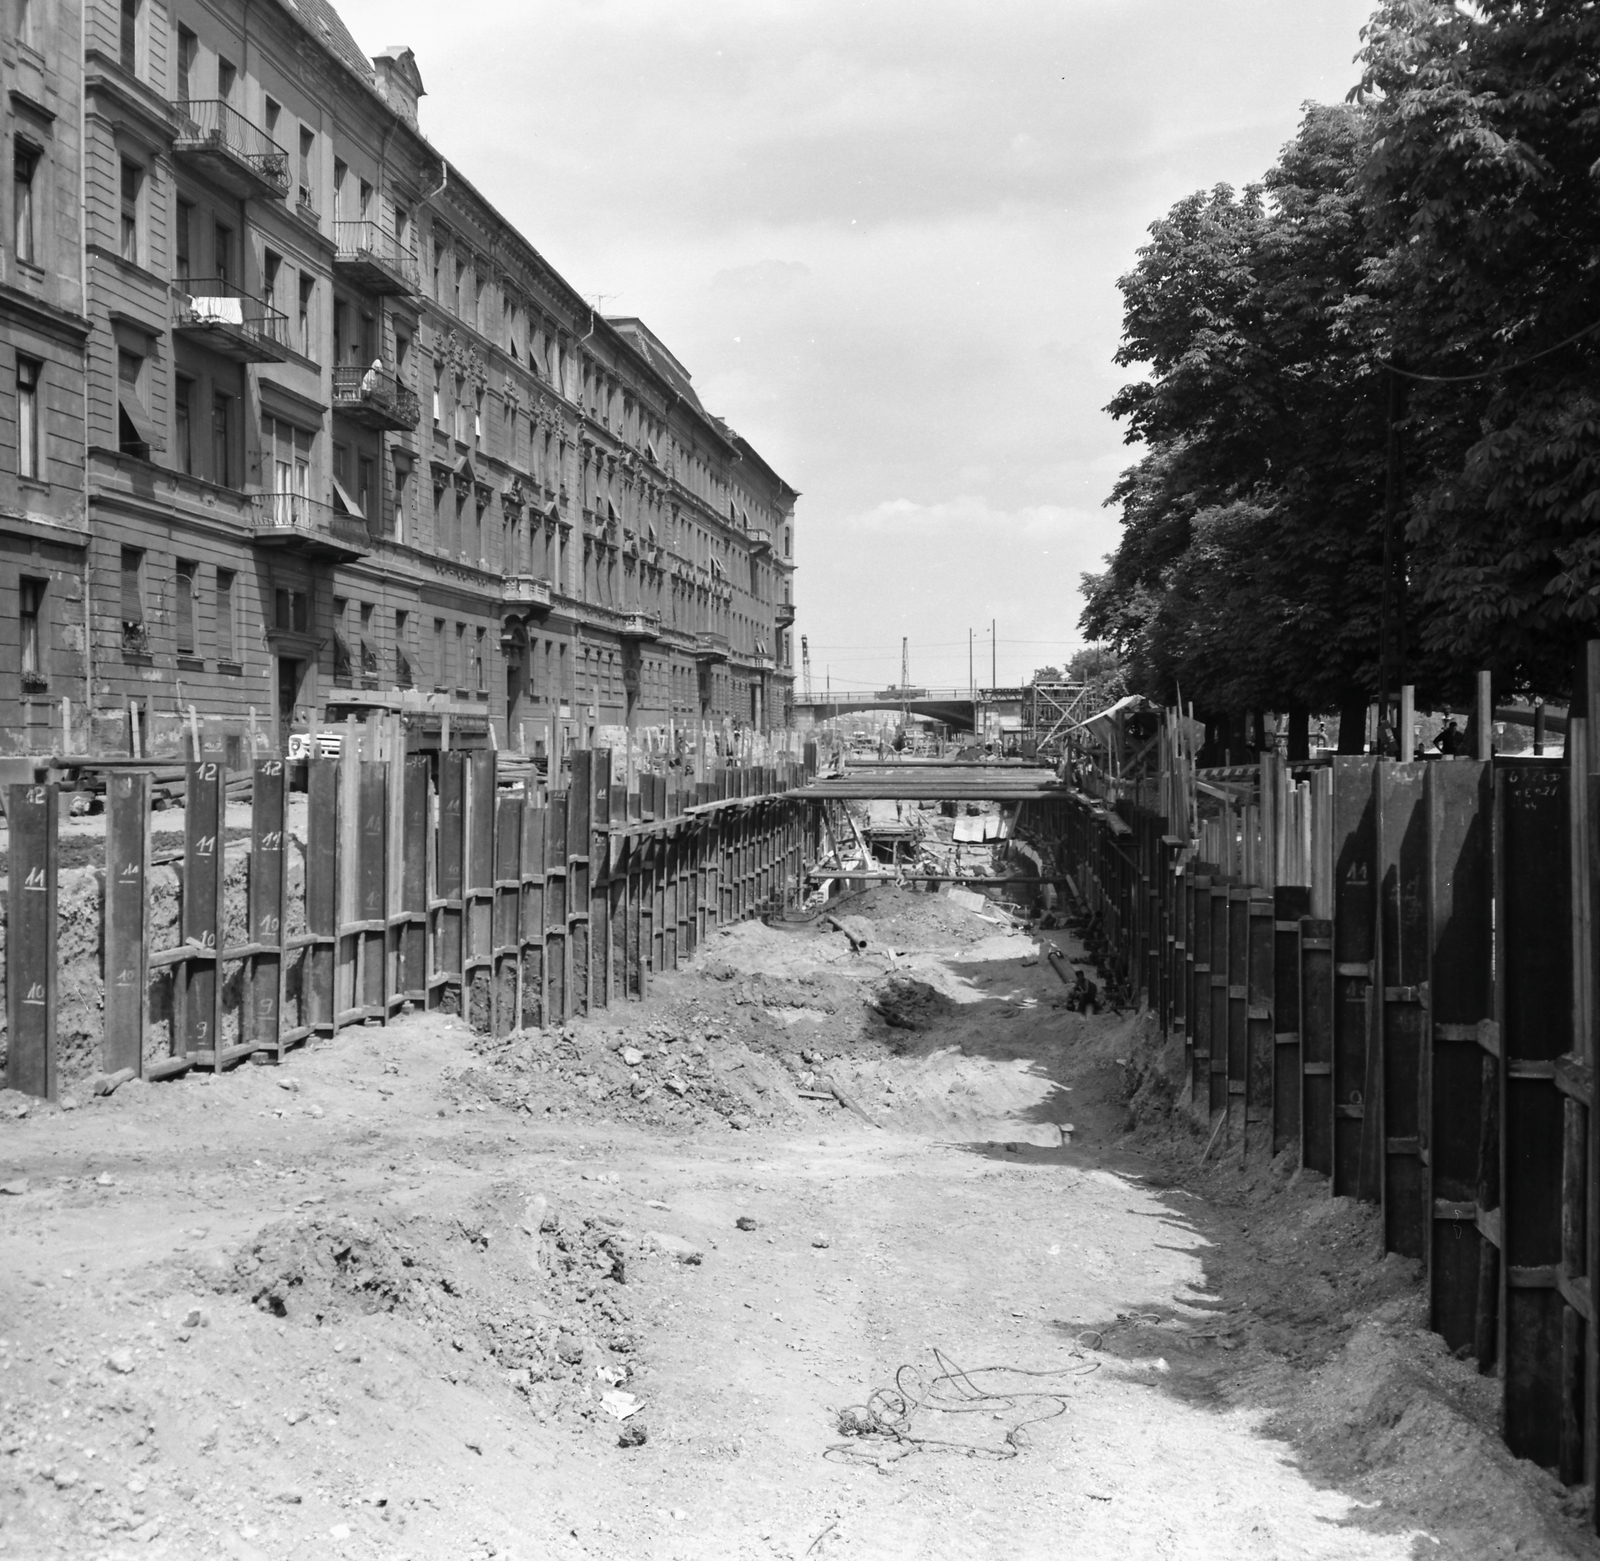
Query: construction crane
[[805, 664]]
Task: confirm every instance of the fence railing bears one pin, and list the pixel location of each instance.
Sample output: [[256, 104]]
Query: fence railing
[[295, 512], [212, 125], [1387, 967], [378, 392], [427, 881], [364, 242], [215, 303]]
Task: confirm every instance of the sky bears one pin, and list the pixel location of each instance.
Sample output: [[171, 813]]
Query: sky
[[884, 238]]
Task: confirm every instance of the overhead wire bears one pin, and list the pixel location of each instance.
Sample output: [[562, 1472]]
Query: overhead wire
[[1505, 368]]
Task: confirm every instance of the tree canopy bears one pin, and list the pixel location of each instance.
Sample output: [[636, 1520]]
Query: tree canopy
[[1443, 221]]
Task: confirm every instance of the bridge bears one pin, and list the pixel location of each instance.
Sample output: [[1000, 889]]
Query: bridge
[[1048, 711], [956, 707]]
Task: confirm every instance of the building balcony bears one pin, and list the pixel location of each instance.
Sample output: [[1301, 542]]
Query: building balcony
[[760, 539], [710, 647], [756, 660], [783, 614], [372, 260], [641, 626], [308, 527], [375, 399], [216, 138], [214, 314], [524, 591]]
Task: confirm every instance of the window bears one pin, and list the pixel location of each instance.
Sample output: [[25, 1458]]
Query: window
[[30, 612], [188, 48], [271, 265], [366, 484], [135, 434], [273, 110], [402, 354], [222, 472], [402, 227], [128, 39], [132, 590], [402, 661], [460, 668], [182, 423], [341, 175], [440, 677], [438, 386], [227, 631], [29, 373], [438, 260], [461, 409], [479, 675], [365, 195], [461, 283], [291, 611], [27, 30], [369, 648], [288, 450], [25, 165], [308, 143], [227, 75], [477, 419], [308, 288], [182, 237], [132, 190], [402, 498], [183, 639], [224, 253]]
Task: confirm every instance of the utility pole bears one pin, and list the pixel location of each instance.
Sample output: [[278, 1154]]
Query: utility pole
[[994, 659]]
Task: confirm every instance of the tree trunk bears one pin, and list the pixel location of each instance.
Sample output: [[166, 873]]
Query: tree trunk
[[1353, 723], [1299, 733]]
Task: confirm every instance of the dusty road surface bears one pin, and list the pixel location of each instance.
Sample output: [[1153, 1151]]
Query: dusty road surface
[[413, 1295]]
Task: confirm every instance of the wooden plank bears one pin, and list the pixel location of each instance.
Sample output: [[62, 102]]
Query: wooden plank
[[1535, 1017], [269, 887], [1355, 1174], [532, 918], [33, 817], [1290, 902], [411, 977], [1218, 995], [1402, 975], [201, 913], [599, 853], [127, 973], [372, 895], [555, 911], [1459, 807], [1197, 1001], [322, 889], [449, 940], [580, 815]]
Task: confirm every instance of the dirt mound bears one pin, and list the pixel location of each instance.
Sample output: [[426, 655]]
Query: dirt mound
[[909, 1004], [516, 1289]]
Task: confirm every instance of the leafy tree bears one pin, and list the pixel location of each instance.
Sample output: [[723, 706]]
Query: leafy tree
[[1483, 185], [1248, 573]]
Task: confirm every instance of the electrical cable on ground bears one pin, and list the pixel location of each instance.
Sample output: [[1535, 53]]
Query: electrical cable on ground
[[884, 1422]]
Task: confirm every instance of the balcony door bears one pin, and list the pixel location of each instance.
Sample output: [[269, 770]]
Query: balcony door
[[288, 453]]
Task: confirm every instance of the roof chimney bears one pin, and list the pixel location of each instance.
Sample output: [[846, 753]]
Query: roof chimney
[[399, 82]]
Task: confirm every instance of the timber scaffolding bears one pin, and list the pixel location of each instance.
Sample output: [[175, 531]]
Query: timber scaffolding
[[1389, 969], [427, 883]]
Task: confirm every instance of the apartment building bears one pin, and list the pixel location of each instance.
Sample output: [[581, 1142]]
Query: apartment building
[[43, 519], [345, 440]]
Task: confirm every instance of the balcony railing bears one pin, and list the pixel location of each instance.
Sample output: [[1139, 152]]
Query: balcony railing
[[760, 539], [238, 153], [783, 612], [375, 399], [640, 626], [292, 520], [229, 321], [710, 647], [373, 259], [524, 591]]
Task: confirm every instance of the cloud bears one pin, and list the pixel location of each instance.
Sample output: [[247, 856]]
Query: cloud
[[885, 239]]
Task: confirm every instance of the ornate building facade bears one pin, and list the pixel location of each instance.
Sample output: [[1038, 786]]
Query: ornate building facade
[[345, 441]]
